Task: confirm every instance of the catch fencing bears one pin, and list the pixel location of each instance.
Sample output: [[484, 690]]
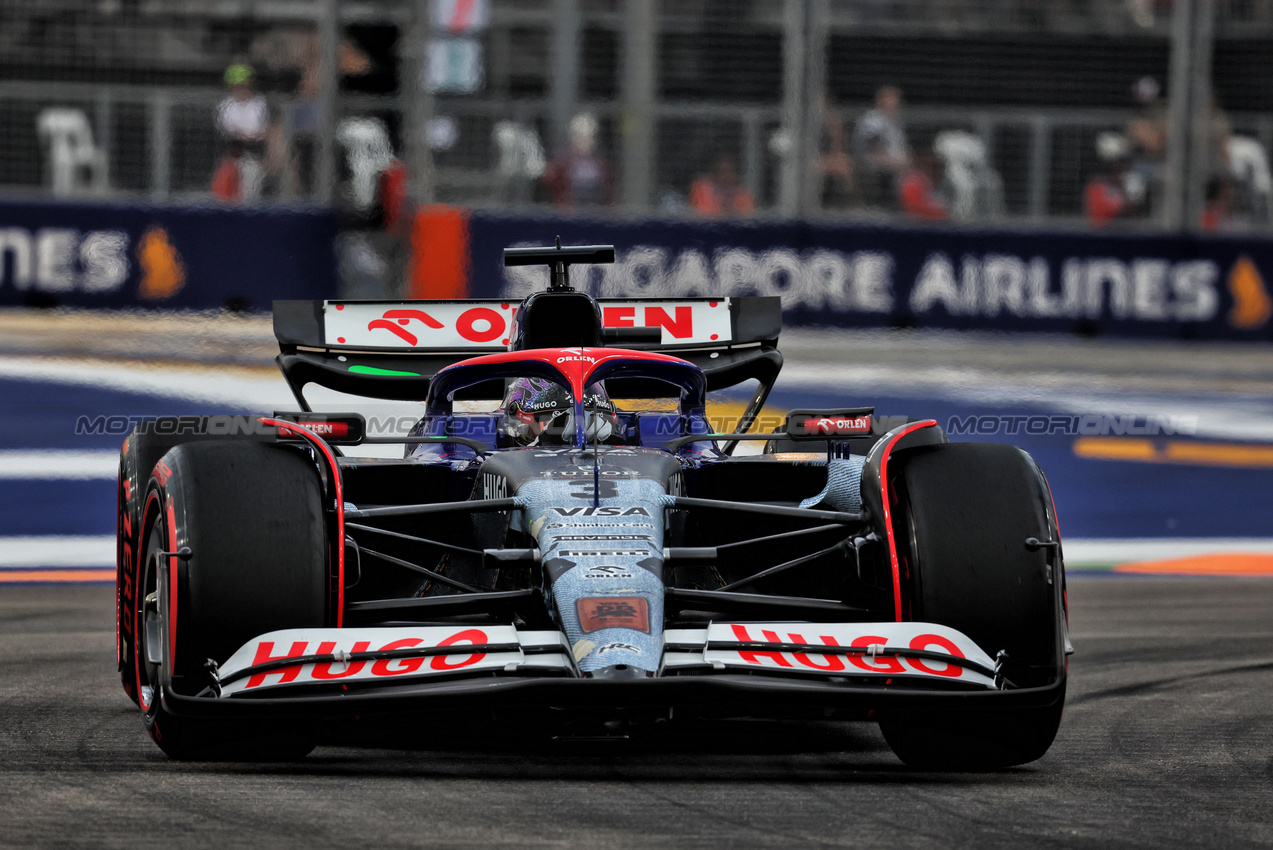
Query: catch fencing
[[1022, 104]]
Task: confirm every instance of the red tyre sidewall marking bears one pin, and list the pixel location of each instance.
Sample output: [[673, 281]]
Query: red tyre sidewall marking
[[888, 519], [136, 611], [120, 566], [173, 567], [1065, 594]]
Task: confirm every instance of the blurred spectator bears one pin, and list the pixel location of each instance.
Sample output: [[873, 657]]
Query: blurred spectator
[[838, 179], [1106, 197], [252, 143], [1217, 215], [879, 148], [1219, 132], [920, 196], [521, 162], [376, 213], [1147, 135], [720, 192], [975, 189], [581, 176], [306, 115], [1248, 168]]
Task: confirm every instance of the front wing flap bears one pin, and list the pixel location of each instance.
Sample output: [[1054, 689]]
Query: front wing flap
[[879, 651], [925, 654]]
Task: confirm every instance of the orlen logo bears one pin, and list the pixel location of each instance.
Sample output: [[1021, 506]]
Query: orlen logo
[[576, 356], [679, 325], [830, 425], [326, 429], [384, 667], [477, 324], [836, 663]]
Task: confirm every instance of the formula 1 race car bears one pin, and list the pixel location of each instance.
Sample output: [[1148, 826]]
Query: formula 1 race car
[[588, 547]]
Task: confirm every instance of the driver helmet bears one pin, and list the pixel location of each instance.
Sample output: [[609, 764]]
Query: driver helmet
[[538, 412]]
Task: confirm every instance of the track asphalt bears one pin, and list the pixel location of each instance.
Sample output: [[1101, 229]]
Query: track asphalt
[[1168, 734], [1166, 742]]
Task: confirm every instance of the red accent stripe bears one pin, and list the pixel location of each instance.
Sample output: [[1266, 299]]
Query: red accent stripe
[[888, 520], [173, 567], [138, 626], [1052, 499], [119, 564], [340, 506]]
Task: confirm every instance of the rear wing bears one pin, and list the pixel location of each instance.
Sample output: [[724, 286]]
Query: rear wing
[[392, 349]]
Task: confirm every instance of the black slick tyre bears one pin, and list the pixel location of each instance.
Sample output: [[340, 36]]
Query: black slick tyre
[[142, 449], [963, 514], [251, 515]]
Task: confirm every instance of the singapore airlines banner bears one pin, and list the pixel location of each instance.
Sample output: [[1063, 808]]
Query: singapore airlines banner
[[874, 276], [86, 254]]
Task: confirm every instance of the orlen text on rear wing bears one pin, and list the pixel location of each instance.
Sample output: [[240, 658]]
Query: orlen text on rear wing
[[391, 349]]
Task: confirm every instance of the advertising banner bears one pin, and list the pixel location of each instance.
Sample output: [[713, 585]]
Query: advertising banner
[[82, 254], [1211, 287]]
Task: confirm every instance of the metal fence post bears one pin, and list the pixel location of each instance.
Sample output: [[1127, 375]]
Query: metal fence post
[[817, 30], [104, 137], [417, 105], [329, 82], [1201, 103], [637, 121], [160, 144], [794, 46], [1040, 162], [1178, 95], [563, 81]]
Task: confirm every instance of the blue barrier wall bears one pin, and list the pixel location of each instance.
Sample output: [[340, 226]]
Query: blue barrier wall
[[138, 255], [876, 276]]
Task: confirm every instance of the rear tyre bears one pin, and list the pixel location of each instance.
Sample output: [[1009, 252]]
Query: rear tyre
[[964, 513], [252, 517]]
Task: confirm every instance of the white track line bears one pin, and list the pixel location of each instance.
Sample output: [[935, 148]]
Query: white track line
[[233, 388], [57, 551], [58, 464], [1122, 551]]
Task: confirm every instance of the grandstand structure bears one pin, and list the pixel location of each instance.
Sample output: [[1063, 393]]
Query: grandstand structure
[[1022, 101]]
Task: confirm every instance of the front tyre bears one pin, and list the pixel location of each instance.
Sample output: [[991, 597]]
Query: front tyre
[[251, 515], [964, 512]]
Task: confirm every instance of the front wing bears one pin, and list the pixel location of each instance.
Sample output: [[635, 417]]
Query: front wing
[[751, 669]]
